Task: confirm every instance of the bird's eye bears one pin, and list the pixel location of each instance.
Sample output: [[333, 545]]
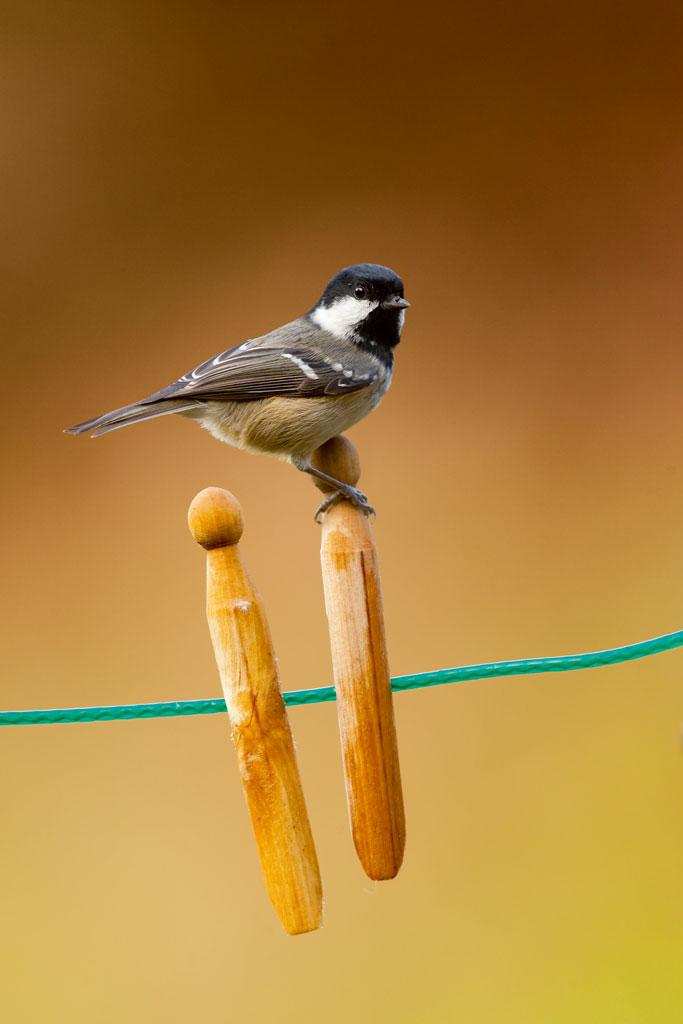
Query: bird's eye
[[359, 291]]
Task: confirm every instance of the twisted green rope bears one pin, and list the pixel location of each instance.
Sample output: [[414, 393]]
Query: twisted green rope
[[525, 666]]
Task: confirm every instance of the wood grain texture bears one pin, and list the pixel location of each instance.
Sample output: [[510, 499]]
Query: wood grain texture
[[353, 600], [260, 728]]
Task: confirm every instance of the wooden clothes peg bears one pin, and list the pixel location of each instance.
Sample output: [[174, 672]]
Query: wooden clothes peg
[[260, 728], [353, 600]]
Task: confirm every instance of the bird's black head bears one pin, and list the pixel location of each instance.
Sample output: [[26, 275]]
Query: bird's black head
[[363, 303]]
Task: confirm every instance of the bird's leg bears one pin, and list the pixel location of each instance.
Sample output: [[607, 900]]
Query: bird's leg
[[341, 492]]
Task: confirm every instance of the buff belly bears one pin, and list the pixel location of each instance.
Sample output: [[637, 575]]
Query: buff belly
[[287, 428]]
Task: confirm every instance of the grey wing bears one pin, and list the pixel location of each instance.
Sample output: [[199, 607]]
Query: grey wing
[[276, 364]]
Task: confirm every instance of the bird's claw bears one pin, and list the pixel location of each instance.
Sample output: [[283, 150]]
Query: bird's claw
[[327, 503], [357, 499]]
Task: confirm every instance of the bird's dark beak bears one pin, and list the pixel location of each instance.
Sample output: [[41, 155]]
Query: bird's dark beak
[[395, 302]]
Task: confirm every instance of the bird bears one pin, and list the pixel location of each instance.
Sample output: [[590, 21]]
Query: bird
[[287, 392]]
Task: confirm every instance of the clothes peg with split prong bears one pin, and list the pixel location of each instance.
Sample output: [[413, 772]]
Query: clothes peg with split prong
[[353, 600], [260, 728]]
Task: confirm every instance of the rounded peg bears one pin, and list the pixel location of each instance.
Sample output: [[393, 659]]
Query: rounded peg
[[265, 749], [215, 518], [353, 601], [339, 459]]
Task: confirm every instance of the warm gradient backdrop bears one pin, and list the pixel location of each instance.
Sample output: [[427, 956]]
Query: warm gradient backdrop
[[179, 176]]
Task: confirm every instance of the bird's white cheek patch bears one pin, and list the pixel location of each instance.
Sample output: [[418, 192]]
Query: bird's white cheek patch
[[343, 316]]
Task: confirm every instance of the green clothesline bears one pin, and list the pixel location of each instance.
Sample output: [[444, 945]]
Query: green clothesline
[[525, 666]]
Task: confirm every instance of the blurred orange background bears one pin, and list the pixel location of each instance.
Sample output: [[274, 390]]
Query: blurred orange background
[[178, 177]]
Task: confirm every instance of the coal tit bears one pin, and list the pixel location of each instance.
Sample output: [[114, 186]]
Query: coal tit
[[289, 391]]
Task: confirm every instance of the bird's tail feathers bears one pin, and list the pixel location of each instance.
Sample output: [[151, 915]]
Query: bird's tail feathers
[[129, 414]]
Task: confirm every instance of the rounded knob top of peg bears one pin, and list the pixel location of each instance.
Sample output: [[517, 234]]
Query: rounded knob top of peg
[[215, 518], [339, 459]]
